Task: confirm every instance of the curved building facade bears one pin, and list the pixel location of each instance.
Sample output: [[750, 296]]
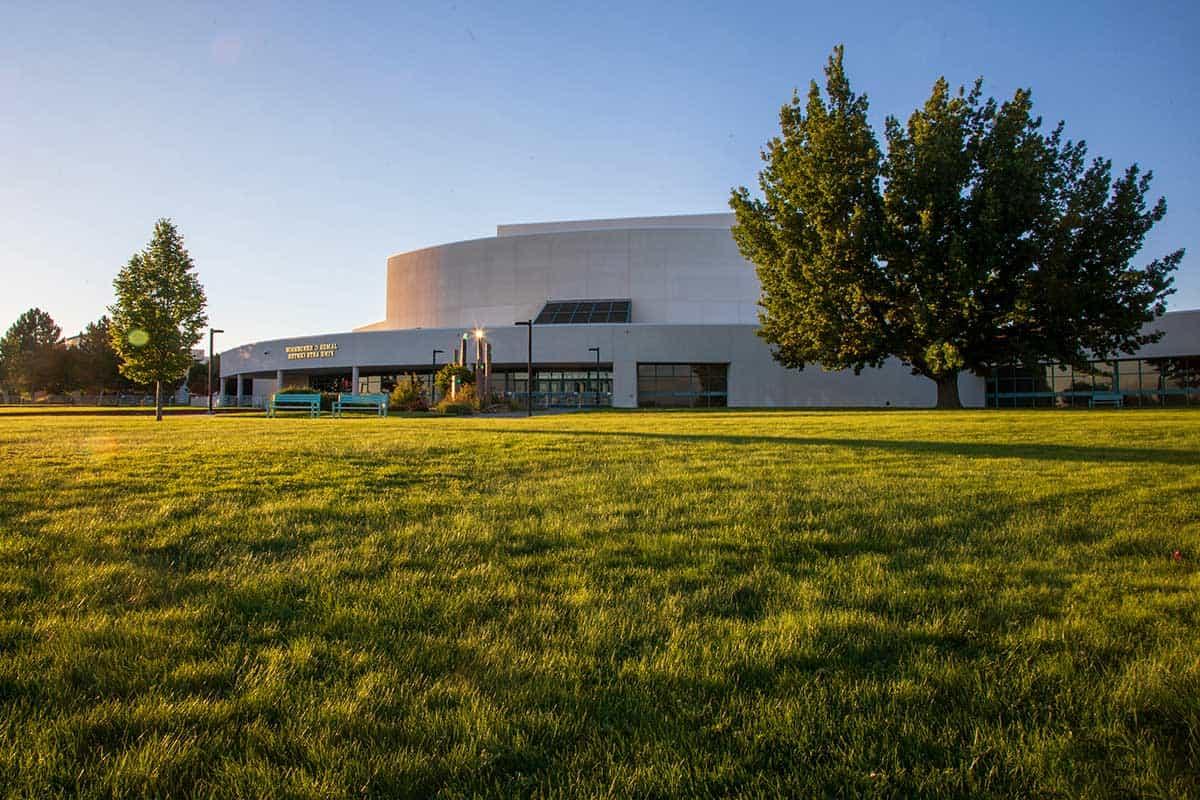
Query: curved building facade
[[674, 275], [651, 311]]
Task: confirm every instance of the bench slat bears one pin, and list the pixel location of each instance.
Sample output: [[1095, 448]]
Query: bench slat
[[1112, 398], [361, 402], [295, 402]]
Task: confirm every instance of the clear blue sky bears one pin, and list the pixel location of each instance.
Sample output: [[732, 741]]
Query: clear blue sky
[[297, 146]]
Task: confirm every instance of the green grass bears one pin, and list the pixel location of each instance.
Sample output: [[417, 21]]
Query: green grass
[[677, 604]]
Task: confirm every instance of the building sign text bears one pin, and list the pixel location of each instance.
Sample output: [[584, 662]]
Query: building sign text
[[327, 350]]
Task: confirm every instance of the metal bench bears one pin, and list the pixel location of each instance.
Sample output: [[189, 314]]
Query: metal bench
[[377, 403], [295, 402], [1114, 399]]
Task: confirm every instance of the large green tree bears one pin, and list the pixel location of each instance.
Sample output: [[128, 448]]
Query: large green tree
[[975, 239], [28, 352], [99, 366], [197, 378], [159, 312]]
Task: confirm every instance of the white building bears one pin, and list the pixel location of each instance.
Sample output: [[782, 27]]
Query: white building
[[649, 311]]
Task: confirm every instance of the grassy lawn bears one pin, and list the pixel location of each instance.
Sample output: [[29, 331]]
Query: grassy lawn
[[672, 604]]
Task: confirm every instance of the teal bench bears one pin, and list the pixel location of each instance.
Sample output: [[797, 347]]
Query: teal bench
[[295, 402], [377, 403], [1114, 399]]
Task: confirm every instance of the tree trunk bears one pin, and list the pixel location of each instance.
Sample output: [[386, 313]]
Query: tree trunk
[[947, 391], [158, 401]]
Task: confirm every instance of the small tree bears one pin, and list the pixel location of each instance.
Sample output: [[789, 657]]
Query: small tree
[[977, 239], [447, 374], [159, 313], [27, 352], [465, 403], [197, 376], [408, 395]]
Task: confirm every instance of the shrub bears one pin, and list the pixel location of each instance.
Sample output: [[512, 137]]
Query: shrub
[[452, 409], [448, 373], [408, 396], [466, 402]]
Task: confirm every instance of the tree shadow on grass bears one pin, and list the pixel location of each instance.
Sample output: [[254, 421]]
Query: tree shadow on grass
[[985, 450], [959, 573]]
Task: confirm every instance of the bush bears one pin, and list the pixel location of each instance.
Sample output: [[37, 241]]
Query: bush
[[448, 373], [455, 409], [408, 396], [466, 403]]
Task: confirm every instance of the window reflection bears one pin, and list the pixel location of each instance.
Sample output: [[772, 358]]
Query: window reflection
[[683, 385], [1163, 381], [560, 388]]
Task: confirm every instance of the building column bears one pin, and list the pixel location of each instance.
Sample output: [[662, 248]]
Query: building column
[[279, 380], [238, 379], [624, 391], [354, 380]]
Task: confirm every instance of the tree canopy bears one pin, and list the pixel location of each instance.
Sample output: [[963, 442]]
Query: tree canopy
[[446, 375], [159, 312], [34, 357], [28, 350], [976, 239], [99, 367]]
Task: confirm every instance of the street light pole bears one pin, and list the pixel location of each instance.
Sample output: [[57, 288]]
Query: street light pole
[[211, 331], [528, 368], [433, 377], [596, 350]]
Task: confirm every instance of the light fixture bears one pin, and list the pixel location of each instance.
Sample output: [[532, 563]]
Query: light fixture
[[211, 333]]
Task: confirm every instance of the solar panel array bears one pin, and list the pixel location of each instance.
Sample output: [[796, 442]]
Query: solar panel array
[[583, 312]]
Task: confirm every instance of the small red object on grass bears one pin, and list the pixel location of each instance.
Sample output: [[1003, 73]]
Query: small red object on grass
[[1177, 556]]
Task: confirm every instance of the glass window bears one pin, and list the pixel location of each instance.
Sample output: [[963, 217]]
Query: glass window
[[1127, 381], [1021, 386], [1103, 373], [1178, 378], [1192, 380], [1148, 373], [1150, 381], [552, 388], [682, 385]]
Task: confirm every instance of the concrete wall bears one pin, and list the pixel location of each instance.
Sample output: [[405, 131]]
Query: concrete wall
[[1181, 335], [673, 275], [711, 221], [755, 379]]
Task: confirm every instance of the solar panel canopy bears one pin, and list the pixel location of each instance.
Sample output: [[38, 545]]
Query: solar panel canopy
[[583, 312]]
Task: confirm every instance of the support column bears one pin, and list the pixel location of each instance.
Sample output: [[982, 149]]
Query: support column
[[624, 391], [279, 380], [238, 379], [354, 380]]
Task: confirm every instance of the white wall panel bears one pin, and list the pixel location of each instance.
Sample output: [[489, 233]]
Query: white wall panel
[[665, 272]]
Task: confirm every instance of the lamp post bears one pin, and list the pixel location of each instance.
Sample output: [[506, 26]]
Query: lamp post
[[596, 350], [482, 389], [433, 377], [528, 368], [477, 367], [211, 331]]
